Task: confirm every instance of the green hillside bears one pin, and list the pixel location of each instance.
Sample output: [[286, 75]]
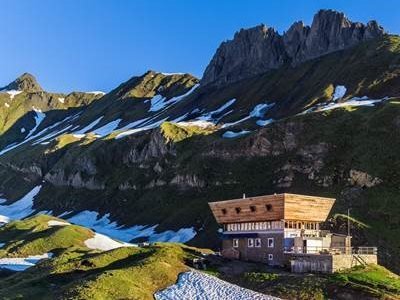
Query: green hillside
[[166, 175], [77, 272]]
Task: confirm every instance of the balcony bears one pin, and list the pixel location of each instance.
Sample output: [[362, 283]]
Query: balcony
[[331, 250]]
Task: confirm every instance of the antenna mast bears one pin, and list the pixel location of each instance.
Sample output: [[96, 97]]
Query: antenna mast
[[348, 221]]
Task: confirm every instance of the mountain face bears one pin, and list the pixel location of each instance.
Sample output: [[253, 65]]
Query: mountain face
[[256, 50], [314, 111]]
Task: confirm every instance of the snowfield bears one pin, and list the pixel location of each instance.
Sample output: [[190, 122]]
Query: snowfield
[[107, 129], [353, 102], [195, 285], [198, 123], [103, 225], [159, 102], [105, 243], [38, 120], [19, 264], [20, 208]]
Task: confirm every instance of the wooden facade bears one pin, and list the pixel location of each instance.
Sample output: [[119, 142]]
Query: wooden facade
[[272, 208]]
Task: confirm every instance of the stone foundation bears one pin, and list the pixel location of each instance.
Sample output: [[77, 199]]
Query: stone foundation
[[320, 263]]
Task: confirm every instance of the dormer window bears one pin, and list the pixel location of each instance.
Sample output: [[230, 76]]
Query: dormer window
[[268, 207], [238, 209], [253, 208], [224, 211]]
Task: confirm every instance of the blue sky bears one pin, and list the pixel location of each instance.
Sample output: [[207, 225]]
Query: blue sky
[[95, 45]]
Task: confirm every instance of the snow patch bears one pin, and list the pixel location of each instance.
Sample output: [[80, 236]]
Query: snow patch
[[198, 123], [107, 129], [13, 93], [61, 100], [159, 102], [103, 225], [89, 127], [20, 208], [96, 93], [353, 102], [4, 219], [170, 74], [105, 243], [140, 129], [264, 122], [340, 91], [134, 124], [260, 109], [52, 223], [232, 134], [258, 112], [210, 116], [19, 264], [66, 213], [38, 120], [200, 286]]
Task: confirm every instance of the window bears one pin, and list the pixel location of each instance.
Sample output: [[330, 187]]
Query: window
[[268, 207], [235, 243], [257, 243], [270, 242], [223, 211], [253, 208], [250, 243], [238, 209], [270, 257]]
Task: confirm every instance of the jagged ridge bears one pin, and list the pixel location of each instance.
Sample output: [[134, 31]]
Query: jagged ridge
[[259, 49]]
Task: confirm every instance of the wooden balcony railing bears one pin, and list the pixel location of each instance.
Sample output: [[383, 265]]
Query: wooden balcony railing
[[332, 250]]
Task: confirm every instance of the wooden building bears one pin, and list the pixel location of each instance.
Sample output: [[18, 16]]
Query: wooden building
[[276, 229]]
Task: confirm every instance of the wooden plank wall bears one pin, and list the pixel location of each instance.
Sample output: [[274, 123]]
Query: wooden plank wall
[[283, 207], [246, 215], [307, 208]]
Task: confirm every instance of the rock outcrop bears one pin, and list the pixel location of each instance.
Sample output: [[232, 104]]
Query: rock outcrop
[[256, 50], [26, 82]]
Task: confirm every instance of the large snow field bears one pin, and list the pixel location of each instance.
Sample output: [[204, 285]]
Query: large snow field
[[195, 285]]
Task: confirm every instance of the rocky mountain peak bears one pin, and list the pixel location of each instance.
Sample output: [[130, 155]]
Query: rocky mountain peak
[[26, 82], [259, 49]]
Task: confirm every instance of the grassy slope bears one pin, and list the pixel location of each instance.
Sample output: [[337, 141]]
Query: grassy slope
[[176, 133], [77, 272]]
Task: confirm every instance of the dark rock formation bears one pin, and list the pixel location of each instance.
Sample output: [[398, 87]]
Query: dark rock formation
[[256, 50], [26, 82]]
